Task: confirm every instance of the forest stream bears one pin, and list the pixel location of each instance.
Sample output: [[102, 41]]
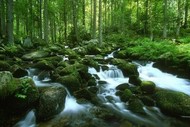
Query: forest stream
[[78, 114]]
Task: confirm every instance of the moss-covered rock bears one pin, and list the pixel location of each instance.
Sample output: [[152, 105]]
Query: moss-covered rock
[[173, 102], [123, 86], [127, 68], [44, 65], [136, 106], [148, 87], [35, 55], [127, 94], [4, 66], [71, 82], [7, 85], [135, 80], [148, 101], [19, 72], [51, 102]]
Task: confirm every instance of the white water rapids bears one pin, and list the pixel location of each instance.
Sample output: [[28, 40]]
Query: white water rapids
[[114, 77], [163, 80]]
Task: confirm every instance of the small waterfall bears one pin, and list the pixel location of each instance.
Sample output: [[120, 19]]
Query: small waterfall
[[113, 77], [111, 54], [163, 80], [28, 121], [72, 107]]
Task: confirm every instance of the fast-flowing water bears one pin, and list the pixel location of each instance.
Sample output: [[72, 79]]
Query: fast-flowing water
[[76, 114], [114, 77], [162, 79], [28, 121]]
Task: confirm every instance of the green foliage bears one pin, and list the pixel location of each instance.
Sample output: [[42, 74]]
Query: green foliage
[[24, 89], [149, 50]]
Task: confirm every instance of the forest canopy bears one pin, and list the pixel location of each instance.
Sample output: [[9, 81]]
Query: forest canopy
[[77, 20]]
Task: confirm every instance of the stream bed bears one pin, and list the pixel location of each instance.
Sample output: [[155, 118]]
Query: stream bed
[[80, 115]]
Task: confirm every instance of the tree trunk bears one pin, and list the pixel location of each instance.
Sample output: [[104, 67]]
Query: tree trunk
[[151, 18], [186, 13], [178, 19], [94, 22], [137, 16], [46, 29], [10, 21], [2, 17], [75, 27], [65, 20], [146, 18], [40, 19], [84, 13], [165, 19], [30, 19], [100, 21]]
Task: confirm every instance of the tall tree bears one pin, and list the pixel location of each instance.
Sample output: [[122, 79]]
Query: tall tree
[[2, 18], [46, 27], [178, 18], [75, 27], [94, 21], [165, 4], [83, 12], [10, 21], [186, 13], [100, 21]]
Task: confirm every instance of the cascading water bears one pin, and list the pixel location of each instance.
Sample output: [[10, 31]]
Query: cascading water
[[113, 77], [28, 121], [163, 80]]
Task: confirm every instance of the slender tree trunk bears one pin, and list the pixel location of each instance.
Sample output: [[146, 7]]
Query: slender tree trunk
[[3, 17], [186, 13], [30, 19], [46, 29], [75, 27], [178, 19], [165, 19], [84, 13], [94, 22], [137, 16], [151, 21], [40, 19], [65, 20], [10, 21], [146, 18], [100, 21]]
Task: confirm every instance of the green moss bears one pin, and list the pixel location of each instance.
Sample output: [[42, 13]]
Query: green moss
[[127, 94], [172, 102], [148, 87], [4, 66]]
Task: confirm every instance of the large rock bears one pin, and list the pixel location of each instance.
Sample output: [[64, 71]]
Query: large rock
[[4, 66], [35, 55], [148, 87], [127, 68], [172, 102], [71, 82], [51, 102], [20, 92]]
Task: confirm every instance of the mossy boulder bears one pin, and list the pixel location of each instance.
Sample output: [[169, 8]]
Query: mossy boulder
[[135, 80], [84, 94], [44, 65], [173, 102], [126, 95], [72, 82], [148, 101], [19, 72], [35, 55], [127, 68], [21, 92], [4, 66], [51, 102], [123, 86], [136, 106], [7, 85], [148, 87]]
